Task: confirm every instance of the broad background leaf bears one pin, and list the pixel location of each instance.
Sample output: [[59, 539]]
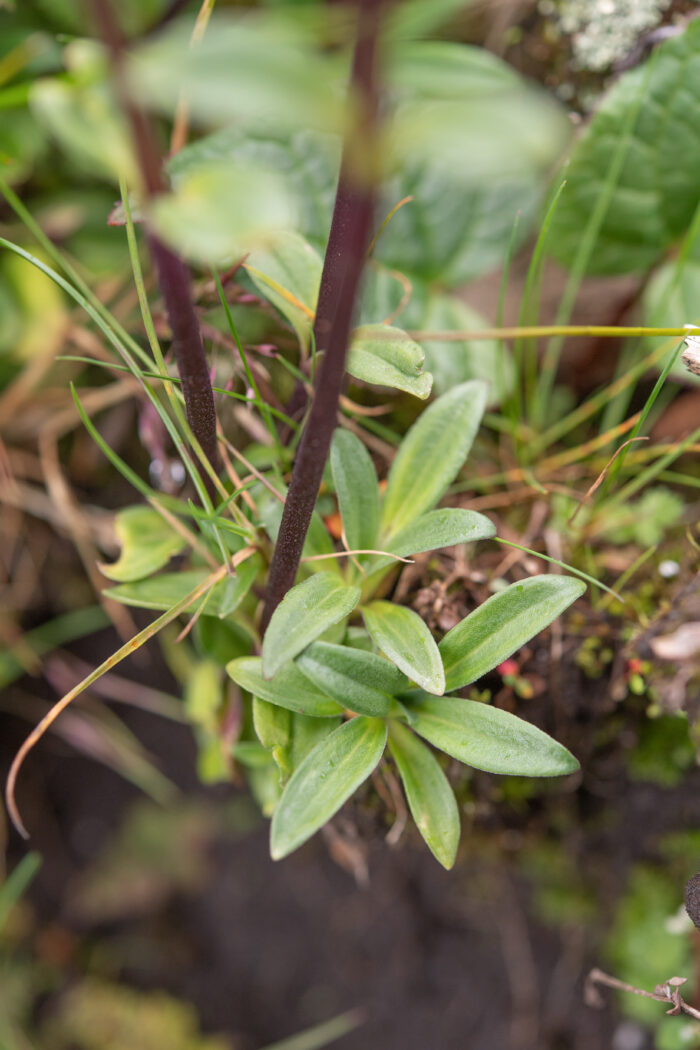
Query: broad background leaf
[[147, 544], [656, 193]]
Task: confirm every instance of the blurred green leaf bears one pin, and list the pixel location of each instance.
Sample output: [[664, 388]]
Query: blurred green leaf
[[135, 16], [203, 695], [156, 851], [148, 543], [640, 944], [16, 884], [326, 778], [454, 96], [413, 19], [487, 738], [431, 454], [251, 754], [453, 230], [164, 591], [96, 1015], [402, 636], [430, 798], [218, 213], [361, 681], [502, 624], [22, 143], [262, 67], [273, 724], [80, 112], [289, 688], [306, 160], [386, 356], [643, 521], [321, 1034], [355, 481], [655, 195], [303, 614]]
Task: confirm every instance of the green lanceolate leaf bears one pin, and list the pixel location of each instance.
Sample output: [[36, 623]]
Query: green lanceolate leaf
[[355, 481], [147, 544], [289, 688], [430, 798], [502, 624], [403, 637], [220, 211], [324, 781], [488, 738], [431, 454], [388, 357], [166, 590], [441, 528], [361, 681], [303, 614]]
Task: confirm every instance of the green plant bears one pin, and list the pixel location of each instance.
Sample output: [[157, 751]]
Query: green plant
[[327, 693], [317, 666]]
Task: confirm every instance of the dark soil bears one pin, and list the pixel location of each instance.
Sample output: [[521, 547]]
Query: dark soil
[[434, 959]]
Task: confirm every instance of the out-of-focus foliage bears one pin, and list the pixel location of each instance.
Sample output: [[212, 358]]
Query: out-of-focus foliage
[[632, 181], [98, 1015]]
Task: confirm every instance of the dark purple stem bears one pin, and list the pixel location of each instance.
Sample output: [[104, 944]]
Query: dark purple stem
[[348, 241], [173, 275]]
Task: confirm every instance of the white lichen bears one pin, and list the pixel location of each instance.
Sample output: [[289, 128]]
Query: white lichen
[[604, 31]]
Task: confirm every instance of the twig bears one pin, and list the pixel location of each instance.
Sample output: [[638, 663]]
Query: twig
[[668, 992]]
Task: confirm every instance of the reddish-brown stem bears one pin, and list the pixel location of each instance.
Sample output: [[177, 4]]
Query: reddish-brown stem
[[173, 275], [349, 237]]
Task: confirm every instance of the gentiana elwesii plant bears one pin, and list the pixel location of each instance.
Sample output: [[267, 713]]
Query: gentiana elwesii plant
[[327, 676], [344, 675], [341, 674]]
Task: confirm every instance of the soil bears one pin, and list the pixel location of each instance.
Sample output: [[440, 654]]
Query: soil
[[433, 959]]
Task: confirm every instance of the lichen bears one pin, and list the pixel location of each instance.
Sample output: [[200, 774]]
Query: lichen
[[604, 31]]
